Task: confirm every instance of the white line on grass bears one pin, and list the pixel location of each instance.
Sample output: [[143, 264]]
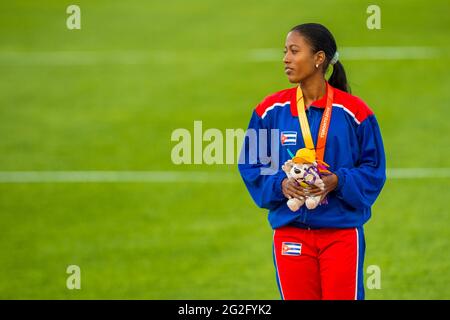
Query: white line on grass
[[113, 176], [175, 176], [361, 53], [76, 58], [418, 173], [141, 57]]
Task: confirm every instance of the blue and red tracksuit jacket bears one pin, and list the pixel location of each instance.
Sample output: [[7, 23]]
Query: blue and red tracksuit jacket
[[354, 150]]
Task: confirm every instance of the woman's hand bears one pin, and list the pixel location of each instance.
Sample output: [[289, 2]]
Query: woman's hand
[[291, 189], [330, 182]]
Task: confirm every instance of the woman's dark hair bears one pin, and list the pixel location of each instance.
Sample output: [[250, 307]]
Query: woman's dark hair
[[321, 39]]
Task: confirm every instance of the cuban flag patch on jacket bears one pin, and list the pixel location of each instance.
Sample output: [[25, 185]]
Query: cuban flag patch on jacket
[[288, 138], [291, 249]]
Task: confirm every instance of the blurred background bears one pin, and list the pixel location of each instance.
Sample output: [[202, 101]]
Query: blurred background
[[107, 97]]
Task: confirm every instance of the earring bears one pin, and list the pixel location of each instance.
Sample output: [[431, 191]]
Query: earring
[[317, 65]]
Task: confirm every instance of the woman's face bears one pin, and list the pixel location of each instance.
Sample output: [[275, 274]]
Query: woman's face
[[299, 59]]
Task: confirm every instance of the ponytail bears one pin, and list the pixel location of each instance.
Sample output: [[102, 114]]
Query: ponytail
[[338, 78]]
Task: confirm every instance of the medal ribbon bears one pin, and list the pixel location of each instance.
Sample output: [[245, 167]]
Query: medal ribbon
[[324, 124]]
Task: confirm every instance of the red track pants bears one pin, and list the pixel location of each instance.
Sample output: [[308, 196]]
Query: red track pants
[[319, 263]]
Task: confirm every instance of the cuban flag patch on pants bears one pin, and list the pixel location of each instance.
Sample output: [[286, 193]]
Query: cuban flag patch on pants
[[291, 249]]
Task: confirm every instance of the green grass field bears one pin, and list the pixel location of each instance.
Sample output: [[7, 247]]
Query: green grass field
[[108, 96]]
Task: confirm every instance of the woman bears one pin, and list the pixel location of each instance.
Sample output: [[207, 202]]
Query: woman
[[318, 253]]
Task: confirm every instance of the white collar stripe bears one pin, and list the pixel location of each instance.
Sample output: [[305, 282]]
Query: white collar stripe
[[348, 111], [278, 104]]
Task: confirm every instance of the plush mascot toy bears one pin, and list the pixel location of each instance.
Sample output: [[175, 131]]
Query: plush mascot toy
[[307, 171]]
